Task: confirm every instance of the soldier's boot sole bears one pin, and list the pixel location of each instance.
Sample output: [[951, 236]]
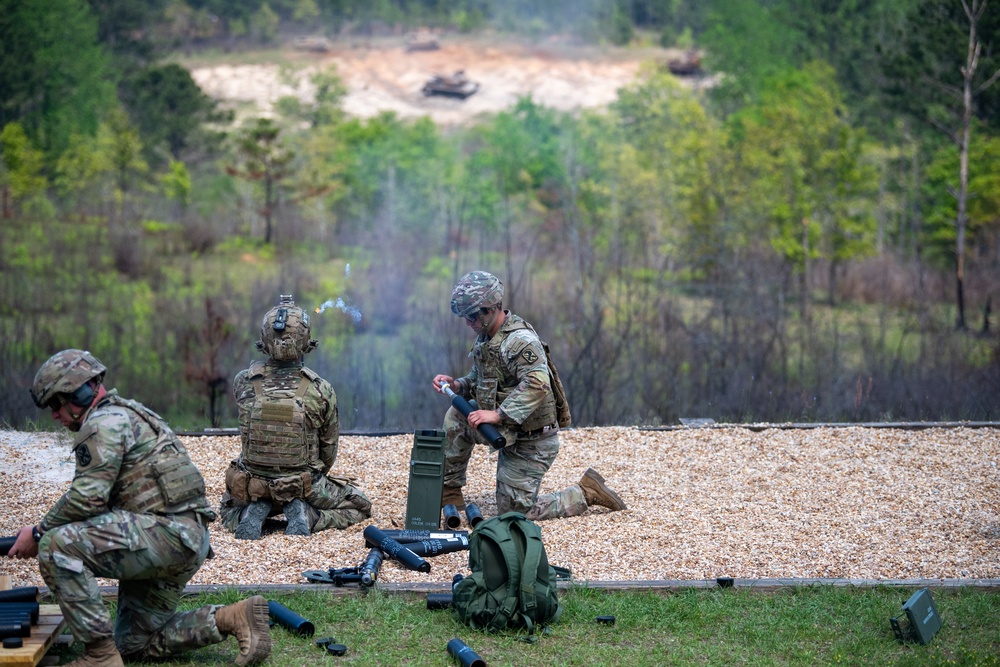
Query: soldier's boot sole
[[597, 492], [298, 518], [252, 520]]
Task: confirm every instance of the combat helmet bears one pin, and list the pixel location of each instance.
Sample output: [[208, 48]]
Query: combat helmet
[[476, 290], [67, 372], [284, 331]]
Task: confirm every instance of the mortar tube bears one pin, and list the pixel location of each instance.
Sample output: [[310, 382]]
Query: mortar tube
[[370, 568], [30, 607], [288, 619], [473, 515], [437, 547], [395, 550], [22, 594], [418, 535], [15, 629], [465, 655], [452, 519]]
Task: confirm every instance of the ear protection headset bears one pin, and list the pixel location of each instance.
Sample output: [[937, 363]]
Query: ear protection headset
[[83, 396]]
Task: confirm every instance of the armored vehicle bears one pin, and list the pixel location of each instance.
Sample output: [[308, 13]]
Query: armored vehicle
[[457, 85]]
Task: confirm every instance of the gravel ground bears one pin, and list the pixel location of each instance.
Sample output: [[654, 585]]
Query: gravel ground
[[851, 502]]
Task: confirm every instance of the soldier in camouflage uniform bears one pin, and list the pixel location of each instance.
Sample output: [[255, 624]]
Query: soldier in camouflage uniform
[[510, 383], [136, 511], [289, 430]]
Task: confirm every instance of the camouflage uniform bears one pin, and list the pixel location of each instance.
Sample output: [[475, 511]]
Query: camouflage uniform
[[509, 372], [115, 522], [333, 502]]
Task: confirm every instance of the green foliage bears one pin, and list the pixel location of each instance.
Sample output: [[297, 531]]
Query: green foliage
[[54, 76], [264, 24], [169, 109], [984, 197], [805, 165], [21, 177]]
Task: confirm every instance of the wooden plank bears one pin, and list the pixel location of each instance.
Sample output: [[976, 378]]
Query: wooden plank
[[43, 635]]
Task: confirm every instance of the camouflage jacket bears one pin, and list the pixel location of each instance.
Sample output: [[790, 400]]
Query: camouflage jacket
[[319, 404], [510, 373], [117, 441]]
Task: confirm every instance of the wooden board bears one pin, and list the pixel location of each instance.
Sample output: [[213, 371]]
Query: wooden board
[[50, 624]]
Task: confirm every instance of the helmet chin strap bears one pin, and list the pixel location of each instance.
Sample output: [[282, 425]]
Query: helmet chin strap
[[490, 319]]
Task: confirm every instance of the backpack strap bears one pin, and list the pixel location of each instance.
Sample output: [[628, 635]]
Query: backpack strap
[[511, 558], [529, 568]]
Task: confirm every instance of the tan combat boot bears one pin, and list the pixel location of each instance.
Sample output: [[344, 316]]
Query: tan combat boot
[[597, 493], [247, 621], [102, 653], [452, 495]]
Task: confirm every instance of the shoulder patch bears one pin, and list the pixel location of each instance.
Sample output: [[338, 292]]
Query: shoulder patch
[[529, 355], [83, 457]]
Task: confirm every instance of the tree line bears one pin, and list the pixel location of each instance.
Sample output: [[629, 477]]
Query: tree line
[[814, 238]]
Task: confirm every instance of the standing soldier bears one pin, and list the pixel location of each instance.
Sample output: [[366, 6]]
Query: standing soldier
[[136, 511], [513, 390], [289, 430]]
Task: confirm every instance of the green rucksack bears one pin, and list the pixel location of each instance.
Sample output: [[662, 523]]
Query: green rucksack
[[512, 585]]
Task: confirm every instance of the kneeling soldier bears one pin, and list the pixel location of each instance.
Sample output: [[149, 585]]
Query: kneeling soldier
[[136, 511], [289, 428]]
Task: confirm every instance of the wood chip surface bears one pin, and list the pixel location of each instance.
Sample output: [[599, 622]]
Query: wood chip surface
[[854, 502]]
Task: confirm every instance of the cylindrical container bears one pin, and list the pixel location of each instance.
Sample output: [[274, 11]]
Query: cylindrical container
[[414, 535], [452, 519], [438, 547], [465, 655], [288, 619], [15, 628], [17, 607], [473, 515], [22, 594], [439, 601], [395, 550], [6, 543], [370, 568]]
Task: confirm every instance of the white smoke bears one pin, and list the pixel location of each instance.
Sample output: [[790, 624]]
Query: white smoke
[[354, 312]]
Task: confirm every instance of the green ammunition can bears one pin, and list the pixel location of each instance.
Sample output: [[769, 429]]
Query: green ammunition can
[[423, 499]]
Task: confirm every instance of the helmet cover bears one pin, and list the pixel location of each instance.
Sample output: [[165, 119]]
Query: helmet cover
[[64, 373], [476, 290], [284, 331]]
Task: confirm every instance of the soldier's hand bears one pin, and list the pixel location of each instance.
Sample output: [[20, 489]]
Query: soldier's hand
[[25, 546], [479, 417], [438, 379]]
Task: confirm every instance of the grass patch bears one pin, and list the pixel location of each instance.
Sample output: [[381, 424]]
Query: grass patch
[[820, 625]]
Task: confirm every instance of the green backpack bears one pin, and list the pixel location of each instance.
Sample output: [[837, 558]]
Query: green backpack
[[512, 585]]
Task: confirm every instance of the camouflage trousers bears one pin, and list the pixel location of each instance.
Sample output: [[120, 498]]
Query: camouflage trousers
[[152, 557], [333, 503], [520, 469]]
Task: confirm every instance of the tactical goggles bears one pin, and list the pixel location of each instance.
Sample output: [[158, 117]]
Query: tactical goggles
[[56, 403], [476, 316]]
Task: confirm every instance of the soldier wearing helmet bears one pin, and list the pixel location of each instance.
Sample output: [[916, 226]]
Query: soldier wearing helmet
[[513, 389], [136, 511], [289, 432]]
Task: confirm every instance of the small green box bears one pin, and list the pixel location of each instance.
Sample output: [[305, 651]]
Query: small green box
[[423, 498]]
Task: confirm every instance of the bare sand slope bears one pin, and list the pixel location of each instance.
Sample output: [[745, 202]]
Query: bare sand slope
[[386, 77]]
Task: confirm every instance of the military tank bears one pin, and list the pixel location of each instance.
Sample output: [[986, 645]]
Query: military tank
[[457, 85]]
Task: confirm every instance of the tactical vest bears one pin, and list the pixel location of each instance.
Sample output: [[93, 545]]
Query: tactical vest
[[277, 440], [161, 480], [496, 383]]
